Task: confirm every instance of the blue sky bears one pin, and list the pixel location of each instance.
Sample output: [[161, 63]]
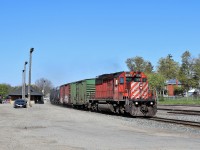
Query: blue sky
[[80, 39]]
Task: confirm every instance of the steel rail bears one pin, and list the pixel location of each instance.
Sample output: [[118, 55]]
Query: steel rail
[[184, 113], [180, 110], [195, 105], [175, 121]]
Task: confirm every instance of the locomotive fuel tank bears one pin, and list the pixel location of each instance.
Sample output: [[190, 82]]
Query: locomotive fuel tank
[[106, 108]]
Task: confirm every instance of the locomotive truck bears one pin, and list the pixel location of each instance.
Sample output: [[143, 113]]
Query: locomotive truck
[[120, 93]]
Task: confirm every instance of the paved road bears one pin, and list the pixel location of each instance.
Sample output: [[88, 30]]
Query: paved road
[[49, 127]]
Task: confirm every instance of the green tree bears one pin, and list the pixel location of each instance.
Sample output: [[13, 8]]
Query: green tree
[[4, 89], [197, 70], [139, 64], [187, 71], [168, 67], [148, 67], [156, 81], [197, 66], [178, 90]]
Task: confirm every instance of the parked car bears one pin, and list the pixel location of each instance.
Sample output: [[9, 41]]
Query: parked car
[[20, 103]]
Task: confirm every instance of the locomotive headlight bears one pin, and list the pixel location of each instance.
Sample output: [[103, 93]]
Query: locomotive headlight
[[151, 103], [136, 103]]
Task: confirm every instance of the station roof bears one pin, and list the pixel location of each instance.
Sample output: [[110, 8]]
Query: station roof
[[173, 82], [18, 91]]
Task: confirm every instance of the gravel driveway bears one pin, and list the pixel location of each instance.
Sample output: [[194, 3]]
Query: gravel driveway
[[49, 127]]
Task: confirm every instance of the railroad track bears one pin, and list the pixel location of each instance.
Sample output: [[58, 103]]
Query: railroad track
[[171, 109], [175, 121], [179, 111], [185, 113], [181, 105]]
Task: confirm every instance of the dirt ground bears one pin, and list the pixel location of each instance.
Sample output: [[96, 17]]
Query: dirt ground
[[49, 127]]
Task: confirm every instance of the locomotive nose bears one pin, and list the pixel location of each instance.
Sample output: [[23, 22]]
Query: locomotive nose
[[139, 90], [141, 86]]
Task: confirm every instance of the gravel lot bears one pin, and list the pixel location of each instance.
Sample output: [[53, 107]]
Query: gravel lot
[[49, 127]]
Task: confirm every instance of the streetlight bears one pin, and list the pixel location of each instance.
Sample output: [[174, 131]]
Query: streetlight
[[43, 92], [43, 87], [29, 83], [24, 83]]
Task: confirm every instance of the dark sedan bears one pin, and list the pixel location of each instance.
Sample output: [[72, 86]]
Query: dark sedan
[[20, 103]]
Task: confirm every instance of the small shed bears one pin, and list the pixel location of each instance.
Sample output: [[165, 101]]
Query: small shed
[[36, 96]]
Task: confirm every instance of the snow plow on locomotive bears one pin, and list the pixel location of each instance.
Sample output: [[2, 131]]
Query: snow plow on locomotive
[[120, 93]]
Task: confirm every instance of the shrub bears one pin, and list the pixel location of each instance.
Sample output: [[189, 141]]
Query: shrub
[[178, 91]]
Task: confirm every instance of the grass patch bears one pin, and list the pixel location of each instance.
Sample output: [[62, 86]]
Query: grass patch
[[179, 101]]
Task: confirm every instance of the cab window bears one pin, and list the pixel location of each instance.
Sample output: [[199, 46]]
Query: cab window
[[129, 79], [121, 81], [144, 79], [136, 79]]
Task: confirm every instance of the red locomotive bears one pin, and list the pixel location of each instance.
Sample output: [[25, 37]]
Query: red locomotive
[[124, 92]]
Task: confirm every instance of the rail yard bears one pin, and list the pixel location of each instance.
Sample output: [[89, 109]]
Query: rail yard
[[57, 127], [100, 75], [112, 111]]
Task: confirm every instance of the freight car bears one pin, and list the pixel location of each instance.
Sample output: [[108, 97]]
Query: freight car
[[55, 96], [121, 93]]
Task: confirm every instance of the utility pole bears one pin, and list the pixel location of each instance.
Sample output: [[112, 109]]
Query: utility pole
[[29, 83], [43, 88], [24, 83]]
